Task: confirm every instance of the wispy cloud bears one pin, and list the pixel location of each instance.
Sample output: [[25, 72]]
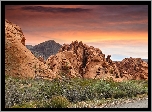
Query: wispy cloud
[[119, 30], [120, 49], [54, 9]]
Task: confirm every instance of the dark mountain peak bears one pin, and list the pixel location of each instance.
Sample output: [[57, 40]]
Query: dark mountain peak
[[146, 60], [29, 46], [49, 41], [45, 49]]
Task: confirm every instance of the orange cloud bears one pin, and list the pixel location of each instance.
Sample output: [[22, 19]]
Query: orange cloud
[[115, 29], [86, 36]]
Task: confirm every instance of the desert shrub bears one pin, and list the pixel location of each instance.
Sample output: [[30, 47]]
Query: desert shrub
[[34, 104], [132, 88], [102, 88], [43, 103], [12, 92], [25, 105], [59, 102], [119, 94], [18, 93], [75, 94], [78, 89], [111, 89]]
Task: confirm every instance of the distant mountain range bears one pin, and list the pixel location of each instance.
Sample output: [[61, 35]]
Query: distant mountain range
[[45, 49], [146, 60], [49, 48]]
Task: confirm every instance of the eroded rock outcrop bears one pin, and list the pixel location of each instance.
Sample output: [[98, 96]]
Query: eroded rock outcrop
[[84, 61], [72, 60], [89, 62], [64, 64], [19, 61], [133, 68]]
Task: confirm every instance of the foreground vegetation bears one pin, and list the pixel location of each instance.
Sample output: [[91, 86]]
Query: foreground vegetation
[[39, 93]]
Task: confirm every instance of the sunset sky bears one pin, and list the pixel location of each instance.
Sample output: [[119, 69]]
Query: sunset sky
[[118, 30]]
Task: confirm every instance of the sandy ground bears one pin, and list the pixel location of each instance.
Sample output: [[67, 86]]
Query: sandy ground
[[134, 104]]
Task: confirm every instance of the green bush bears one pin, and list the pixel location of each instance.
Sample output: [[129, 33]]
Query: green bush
[[25, 105], [59, 102], [132, 88], [111, 89], [34, 104], [17, 92], [76, 90]]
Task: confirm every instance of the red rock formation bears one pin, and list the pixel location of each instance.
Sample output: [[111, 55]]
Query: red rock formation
[[40, 58], [85, 61], [133, 68], [64, 64], [23, 41], [72, 60], [19, 61], [89, 62]]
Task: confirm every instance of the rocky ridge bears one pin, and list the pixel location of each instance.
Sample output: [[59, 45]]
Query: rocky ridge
[[19, 61], [80, 60], [72, 60]]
